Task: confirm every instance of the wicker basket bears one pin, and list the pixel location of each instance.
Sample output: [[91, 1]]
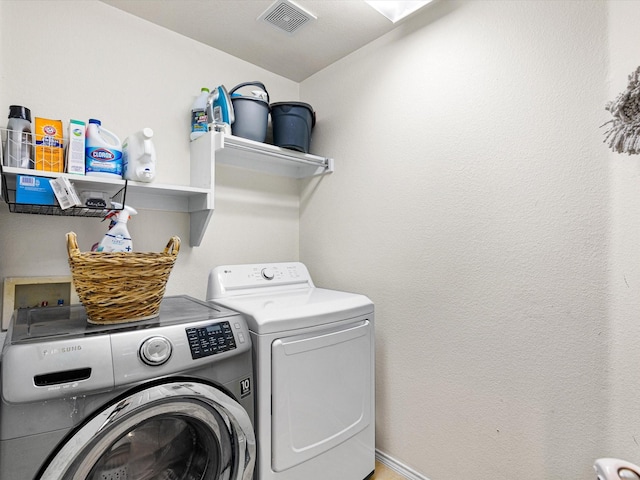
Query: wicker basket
[[120, 287]]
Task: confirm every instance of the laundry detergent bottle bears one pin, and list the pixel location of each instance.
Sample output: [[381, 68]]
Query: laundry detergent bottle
[[118, 239], [139, 156], [199, 119], [103, 152]]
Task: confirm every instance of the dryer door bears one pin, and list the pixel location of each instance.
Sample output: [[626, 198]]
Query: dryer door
[[168, 431], [322, 391]]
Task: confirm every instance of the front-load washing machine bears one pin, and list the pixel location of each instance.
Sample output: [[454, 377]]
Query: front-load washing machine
[[166, 398], [314, 364]]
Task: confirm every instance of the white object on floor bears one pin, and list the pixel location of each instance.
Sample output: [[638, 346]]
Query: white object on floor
[[616, 469]]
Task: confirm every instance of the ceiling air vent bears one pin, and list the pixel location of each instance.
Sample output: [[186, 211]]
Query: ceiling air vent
[[286, 16]]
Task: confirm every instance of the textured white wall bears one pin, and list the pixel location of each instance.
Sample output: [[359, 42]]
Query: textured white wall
[[70, 59], [624, 437], [471, 203]]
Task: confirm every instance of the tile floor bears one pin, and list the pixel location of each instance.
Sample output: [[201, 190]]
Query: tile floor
[[385, 473]]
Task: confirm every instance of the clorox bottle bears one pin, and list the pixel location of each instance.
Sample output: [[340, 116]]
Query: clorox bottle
[[103, 152]]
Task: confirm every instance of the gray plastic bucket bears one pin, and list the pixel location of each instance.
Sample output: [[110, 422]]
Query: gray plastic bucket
[[292, 124], [252, 113]]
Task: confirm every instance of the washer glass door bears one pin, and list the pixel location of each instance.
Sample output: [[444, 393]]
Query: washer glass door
[[167, 446], [177, 430]]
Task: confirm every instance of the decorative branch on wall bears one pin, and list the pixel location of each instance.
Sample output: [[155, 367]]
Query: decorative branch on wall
[[624, 131]]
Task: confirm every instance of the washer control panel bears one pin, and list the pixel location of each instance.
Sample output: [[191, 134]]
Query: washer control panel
[[192, 337], [210, 339]]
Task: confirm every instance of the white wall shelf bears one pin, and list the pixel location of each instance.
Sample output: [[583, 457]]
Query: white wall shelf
[[243, 153], [195, 200]]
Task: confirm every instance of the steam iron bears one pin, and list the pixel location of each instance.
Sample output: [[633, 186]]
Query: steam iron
[[220, 110], [615, 469]]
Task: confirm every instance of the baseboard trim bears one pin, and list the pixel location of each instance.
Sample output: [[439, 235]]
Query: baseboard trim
[[398, 467]]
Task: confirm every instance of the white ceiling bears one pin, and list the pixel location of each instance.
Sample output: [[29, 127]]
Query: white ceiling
[[342, 26]]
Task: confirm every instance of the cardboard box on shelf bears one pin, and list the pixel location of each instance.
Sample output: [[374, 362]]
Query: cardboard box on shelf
[[34, 190]]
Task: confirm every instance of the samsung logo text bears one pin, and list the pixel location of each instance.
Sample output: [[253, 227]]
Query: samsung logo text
[[55, 351]]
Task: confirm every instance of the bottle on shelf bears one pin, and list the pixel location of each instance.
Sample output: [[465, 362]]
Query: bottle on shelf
[[139, 156], [19, 140], [103, 151], [199, 120]]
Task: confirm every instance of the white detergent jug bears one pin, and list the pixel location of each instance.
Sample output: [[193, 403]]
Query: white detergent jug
[[139, 156]]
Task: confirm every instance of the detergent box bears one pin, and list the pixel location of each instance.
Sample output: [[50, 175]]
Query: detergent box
[[75, 147], [49, 145], [34, 190]]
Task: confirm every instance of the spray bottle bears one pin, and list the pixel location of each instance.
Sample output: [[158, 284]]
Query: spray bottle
[[118, 239]]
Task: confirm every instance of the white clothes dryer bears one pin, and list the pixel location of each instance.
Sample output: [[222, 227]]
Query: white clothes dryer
[[164, 398], [314, 371]]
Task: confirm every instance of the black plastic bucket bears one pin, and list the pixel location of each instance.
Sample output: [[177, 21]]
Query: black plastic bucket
[[292, 123]]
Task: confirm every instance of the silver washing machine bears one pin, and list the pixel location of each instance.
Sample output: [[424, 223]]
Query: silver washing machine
[[169, 398], [314, 364]]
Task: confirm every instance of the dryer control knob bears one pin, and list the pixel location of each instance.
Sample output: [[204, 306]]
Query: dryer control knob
[[155, 351], [268, 274]]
